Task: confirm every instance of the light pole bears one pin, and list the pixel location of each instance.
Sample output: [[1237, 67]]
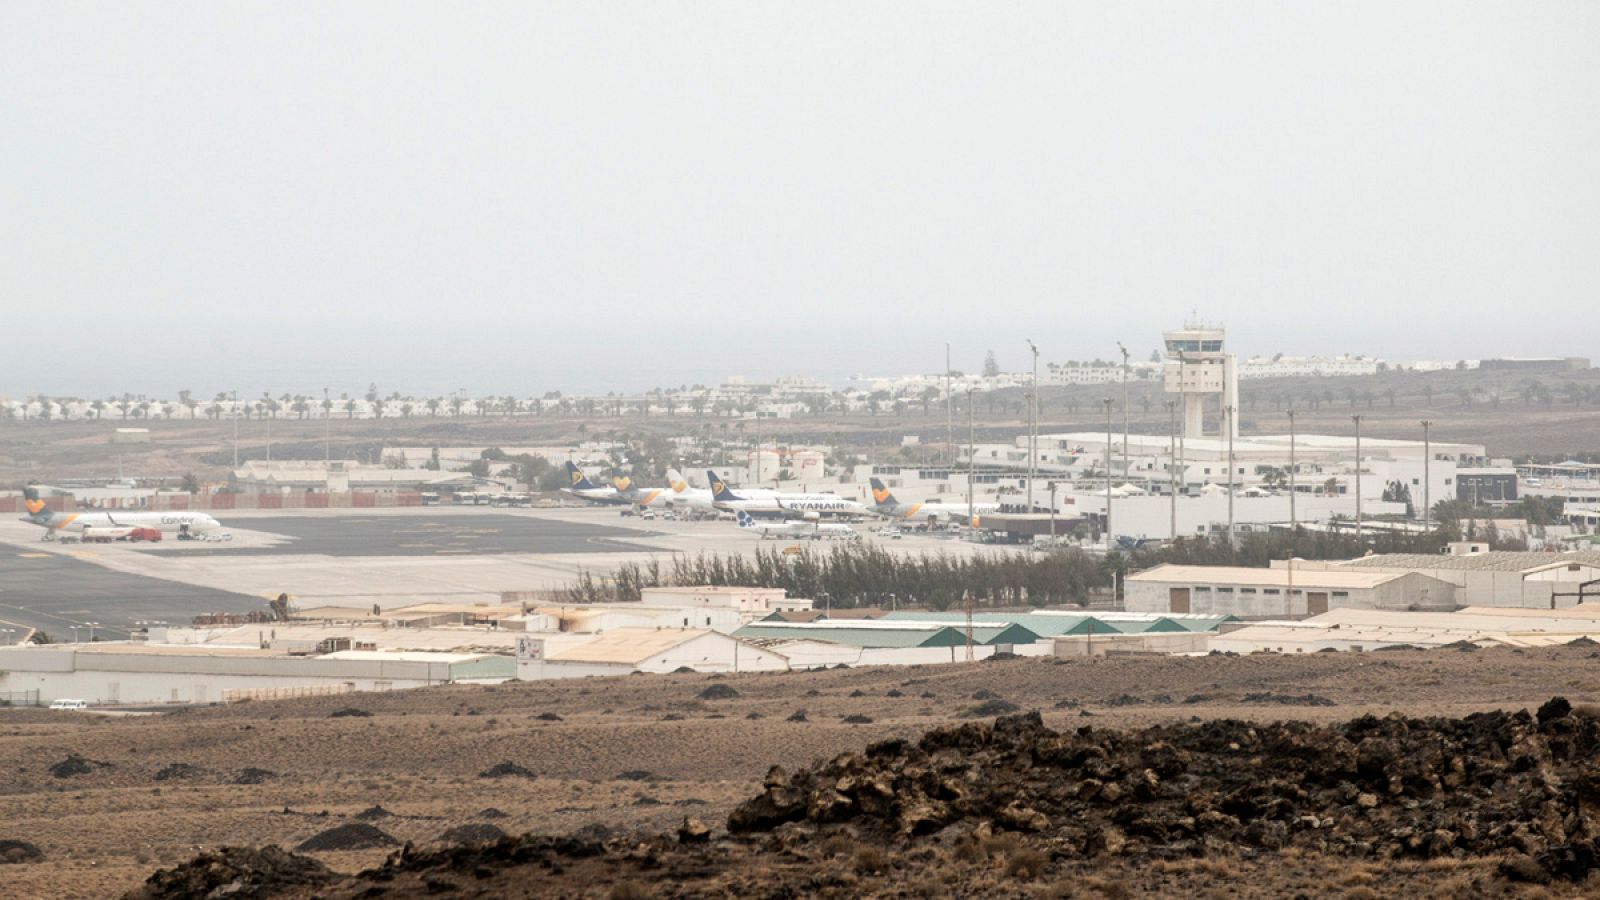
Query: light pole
[[1124, 407], [1357, 420], [1427, 483], [327, 430], [1172, 463], [1033, 424], [972, 453], [91, 630], [949, 409], [1294, 523], [1052, 510], [235, 412], [1108, 476], [1229, 410]]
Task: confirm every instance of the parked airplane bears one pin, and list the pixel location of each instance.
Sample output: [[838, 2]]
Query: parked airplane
[[886, 505], [651, 498], [776, 503], [113, 524], [811, 530], [584, 489]]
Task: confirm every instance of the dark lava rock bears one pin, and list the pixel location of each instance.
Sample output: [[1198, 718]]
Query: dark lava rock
[[472, 833], [348, 712], [798, 715], [548, 717], [635, 775], [858, 693], [984, 694], [718, 692], [1288, 699], [254, 776], [507, 769], [1554, 708], [857, 719], [372, 814], [13, 852], [693, 831], [179, 770], [988, 708], [233, 872], [895, 692], [490, 813], [75, 765], [351, 836]]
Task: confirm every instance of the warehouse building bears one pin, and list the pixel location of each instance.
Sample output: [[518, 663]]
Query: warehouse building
[[628, 650], [1498, 578], [1281, 592], [881, 634], [137, 674], [1366, 630]]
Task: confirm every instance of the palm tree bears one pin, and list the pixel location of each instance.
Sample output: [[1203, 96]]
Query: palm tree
[[432, 403], [350, 409]]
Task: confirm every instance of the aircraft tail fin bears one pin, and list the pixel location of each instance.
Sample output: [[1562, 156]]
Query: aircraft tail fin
[[622, 483], [34, 502], [881, 495], [576, 480], [719, 488], [678, 483]]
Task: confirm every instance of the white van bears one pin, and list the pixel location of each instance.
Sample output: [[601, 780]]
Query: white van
[[70, 704]]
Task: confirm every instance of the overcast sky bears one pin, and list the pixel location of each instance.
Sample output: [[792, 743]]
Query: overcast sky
[[518, 197]]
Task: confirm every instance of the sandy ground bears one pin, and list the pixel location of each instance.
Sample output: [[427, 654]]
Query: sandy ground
[[629, 751]]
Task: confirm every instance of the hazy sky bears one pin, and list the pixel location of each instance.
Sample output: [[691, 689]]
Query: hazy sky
[[523, 197]]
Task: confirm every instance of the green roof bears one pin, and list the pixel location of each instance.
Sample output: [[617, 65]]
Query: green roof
[[912, 634], [1053, 624]]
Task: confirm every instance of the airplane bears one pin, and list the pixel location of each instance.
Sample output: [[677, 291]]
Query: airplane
[[805, 530], [645, 498], [774, 504], [111, 524], [584, 489], [884, 504]]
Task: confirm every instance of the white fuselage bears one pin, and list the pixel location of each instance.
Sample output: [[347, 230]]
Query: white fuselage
[[193, 522], [794, 504], [805, 530], [940, 512]]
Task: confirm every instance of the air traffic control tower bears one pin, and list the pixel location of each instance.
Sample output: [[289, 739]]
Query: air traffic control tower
[[1197, 369]]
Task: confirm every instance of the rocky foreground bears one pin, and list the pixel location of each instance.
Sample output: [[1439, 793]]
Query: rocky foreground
[[1483, 804]]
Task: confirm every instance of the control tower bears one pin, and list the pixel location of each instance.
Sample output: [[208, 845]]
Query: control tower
[[1197, 369]]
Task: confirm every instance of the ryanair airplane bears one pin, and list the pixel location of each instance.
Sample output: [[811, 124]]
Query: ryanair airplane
[[777, 504], [581, 487], [111, 524], [884, 504]]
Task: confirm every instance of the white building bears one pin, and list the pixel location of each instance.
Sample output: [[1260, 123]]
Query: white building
[[1281, 366], [628, 650], [749, 601], [1198, 369], [119, 673], [1285, 592]]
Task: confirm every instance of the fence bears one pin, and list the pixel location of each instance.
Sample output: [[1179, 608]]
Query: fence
[[219, 502], [237, 695], [19, 698]]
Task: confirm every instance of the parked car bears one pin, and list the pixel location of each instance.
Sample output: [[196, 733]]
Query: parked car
[[70, 704]]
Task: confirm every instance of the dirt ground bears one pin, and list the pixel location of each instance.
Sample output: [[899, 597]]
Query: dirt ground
[[644, 752]]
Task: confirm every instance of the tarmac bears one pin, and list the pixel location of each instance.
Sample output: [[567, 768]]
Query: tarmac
[[383, 557], [53, 592]]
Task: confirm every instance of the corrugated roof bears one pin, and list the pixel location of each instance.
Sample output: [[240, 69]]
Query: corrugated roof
[[1278, 578], [1055, 622], [629, 646], [1492, 561]]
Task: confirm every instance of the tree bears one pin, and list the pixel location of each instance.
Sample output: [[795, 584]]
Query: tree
[[990, 367], [191, 484]]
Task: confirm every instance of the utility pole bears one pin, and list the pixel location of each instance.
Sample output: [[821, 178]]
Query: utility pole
[[1033, 424], [1357, 420], [1124, 408], [1108, 475], [1294, 524], [235, 428], [1052, 509], [972, 453], [1172, 463], [327, 430], [1229, 410], [1427, 483], [949, 409]]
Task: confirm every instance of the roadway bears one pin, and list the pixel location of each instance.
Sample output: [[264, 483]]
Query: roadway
[[420, 534]]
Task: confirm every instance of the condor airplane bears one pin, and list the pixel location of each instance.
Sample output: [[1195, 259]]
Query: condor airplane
[[775, 503], [809, 530], [111, 524], [884, 504], [584, 489]]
